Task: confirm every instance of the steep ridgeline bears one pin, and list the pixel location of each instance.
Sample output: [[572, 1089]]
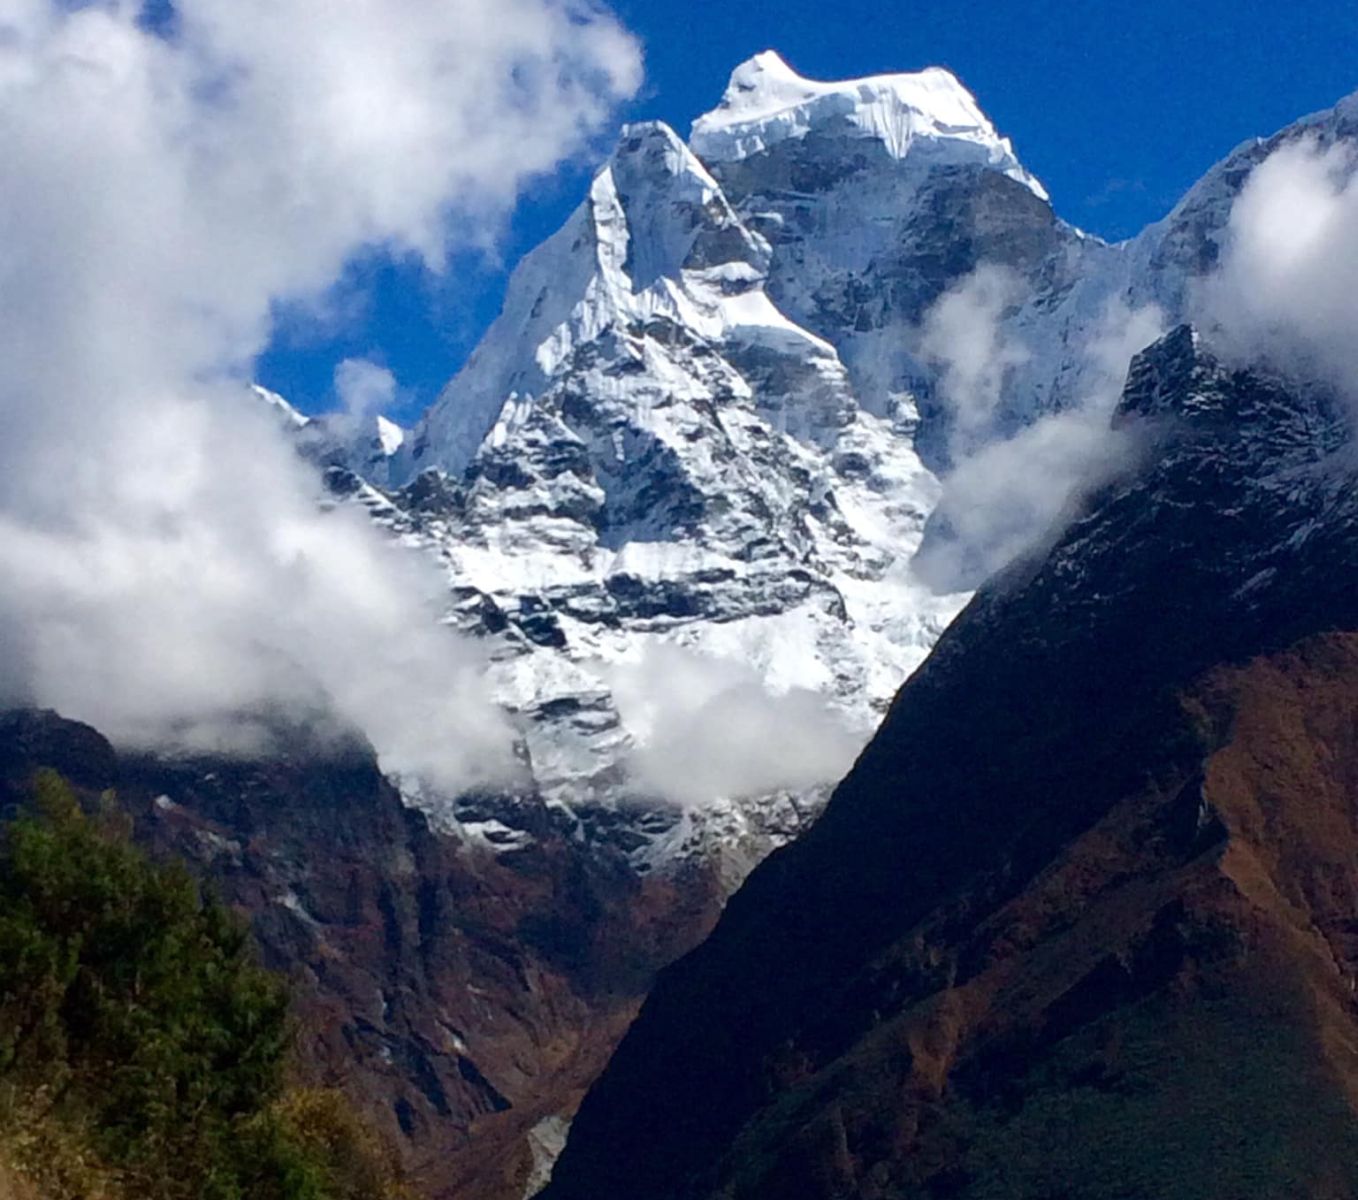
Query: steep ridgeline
[[1080, 921], [702, 438], [878, 195]]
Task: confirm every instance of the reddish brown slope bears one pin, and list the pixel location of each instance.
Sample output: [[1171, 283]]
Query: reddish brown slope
[[1035, 947], [458, 996], [1166, 1010]]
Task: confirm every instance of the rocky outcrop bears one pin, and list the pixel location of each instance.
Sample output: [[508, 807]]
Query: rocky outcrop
[[1077, 923]]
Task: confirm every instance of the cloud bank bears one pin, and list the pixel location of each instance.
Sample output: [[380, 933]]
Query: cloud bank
[[708, 727], [164, 569]]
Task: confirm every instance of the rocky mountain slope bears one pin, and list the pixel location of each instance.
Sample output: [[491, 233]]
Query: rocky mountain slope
[[1080, 921]]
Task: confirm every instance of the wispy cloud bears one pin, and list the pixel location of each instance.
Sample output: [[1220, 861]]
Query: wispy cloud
[[365, 389], [1006, 489], [964, 337], [1285, 293], [708, 728]]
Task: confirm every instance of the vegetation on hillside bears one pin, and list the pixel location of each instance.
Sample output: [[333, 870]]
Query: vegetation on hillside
[[143, 1052]]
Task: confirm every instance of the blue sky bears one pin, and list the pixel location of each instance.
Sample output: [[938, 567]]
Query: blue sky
[[1117, 106]]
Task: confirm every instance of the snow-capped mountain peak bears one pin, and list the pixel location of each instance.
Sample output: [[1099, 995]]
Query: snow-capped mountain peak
[[662, 489], [390, 436], [767, 102], [677, 215], [647, 461], [655, 239], [287, 415], [701, 438]]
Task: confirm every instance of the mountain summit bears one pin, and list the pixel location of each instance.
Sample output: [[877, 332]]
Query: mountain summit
[[701, 434], [716, 427], [929, 115]]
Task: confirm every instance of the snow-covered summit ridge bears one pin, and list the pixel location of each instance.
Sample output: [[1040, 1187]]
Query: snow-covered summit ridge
[[767, 102], [367, 446], [659, 236], [655, 240], [647, 471]]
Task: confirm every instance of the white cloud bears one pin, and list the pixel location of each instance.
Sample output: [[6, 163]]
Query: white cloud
[[963, 337], [1283, 296], [1000, 501], [1285, 292], [708, 727], [1004, 493], [364, 389], [165, 568]]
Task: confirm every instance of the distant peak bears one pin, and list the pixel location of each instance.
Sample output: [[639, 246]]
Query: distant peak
[[285, 411], [769, 60], [651, 150], [762, 84], [650, 131], [768, 72], [765, 84], [656, 142]]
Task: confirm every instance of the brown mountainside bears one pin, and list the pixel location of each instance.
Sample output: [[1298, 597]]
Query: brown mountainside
[[458, 996], [1079, 922], [1166, 1009]]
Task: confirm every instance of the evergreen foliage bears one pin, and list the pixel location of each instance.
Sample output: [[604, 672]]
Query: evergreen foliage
[[137, 1031]]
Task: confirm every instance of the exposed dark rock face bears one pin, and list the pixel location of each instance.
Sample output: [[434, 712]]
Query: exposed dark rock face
[[957, 218], [459, 993], [1079, 922]]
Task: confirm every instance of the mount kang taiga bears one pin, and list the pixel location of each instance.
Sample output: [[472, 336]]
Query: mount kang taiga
[[705, 439], [751, 427]]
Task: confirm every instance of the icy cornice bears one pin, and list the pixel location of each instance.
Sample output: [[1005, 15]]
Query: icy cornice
[[767, 102]]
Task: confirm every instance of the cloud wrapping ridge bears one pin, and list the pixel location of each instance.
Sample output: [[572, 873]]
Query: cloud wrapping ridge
[[964, 338], [1286, 293], [1283, 297], [165, 570], [1006, 491]]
